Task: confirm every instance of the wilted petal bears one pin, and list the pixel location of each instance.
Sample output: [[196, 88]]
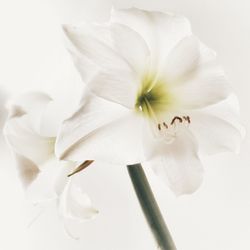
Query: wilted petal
[[179, 166]]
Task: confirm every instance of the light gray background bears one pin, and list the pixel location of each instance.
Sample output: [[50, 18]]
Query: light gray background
[[32, 56]]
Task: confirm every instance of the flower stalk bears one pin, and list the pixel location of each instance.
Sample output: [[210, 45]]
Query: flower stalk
[[150, 207]]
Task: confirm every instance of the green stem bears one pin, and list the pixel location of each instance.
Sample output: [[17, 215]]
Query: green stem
[[150, 207]]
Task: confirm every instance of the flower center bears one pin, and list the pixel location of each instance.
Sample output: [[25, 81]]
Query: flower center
[[153, 97], [156, 101]]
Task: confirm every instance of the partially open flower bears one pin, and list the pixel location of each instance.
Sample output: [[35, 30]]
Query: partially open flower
[[154, 92], [43, 176]]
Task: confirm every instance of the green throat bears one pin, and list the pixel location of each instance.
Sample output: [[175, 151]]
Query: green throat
[[153, 97]]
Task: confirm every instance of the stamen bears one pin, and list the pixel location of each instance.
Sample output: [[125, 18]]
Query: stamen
[[176, 118], [172, 129], [165, 125], [187, 118], [81, 167]]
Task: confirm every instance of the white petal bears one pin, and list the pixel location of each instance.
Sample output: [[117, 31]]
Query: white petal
[[56, 112], [113, 79], [114, 88], [161, 31], [217, 128], [110, 137], [207, 86], [39, 185], [182, 60], [50, 182], [179, 165], [94, 114], [75, 204], [64, 169], [43, 186], [32, 103], [91, 45], [127, 43], [27, 170], [207, 55], [229, 111], [24, 141]]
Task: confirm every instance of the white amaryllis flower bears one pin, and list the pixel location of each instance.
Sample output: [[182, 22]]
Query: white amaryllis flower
[[154, 92], [32, 144]]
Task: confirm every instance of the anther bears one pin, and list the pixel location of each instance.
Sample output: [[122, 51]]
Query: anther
[[81, 167], [159, 126], [176, 118], [165, 125], [187, 118]]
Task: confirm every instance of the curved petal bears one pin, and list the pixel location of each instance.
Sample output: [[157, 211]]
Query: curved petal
[[113, 77], [56, 112], [64, 169], [31, 103], [161, 31], [207, 55], [24, 141], [227, 110], [207, 86], [45, 184], [50, 182], [117, 140], [182, 60], [217, 128], [179, 166], [27, 170], [74, 204], [42, 187], [94, 114], [127, 43], [114, 88]]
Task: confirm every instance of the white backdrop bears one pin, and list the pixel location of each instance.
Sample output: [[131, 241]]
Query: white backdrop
[[32, 56]]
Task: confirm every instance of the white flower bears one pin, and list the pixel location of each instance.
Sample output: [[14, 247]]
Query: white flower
[[31, 137], [154, 92]]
